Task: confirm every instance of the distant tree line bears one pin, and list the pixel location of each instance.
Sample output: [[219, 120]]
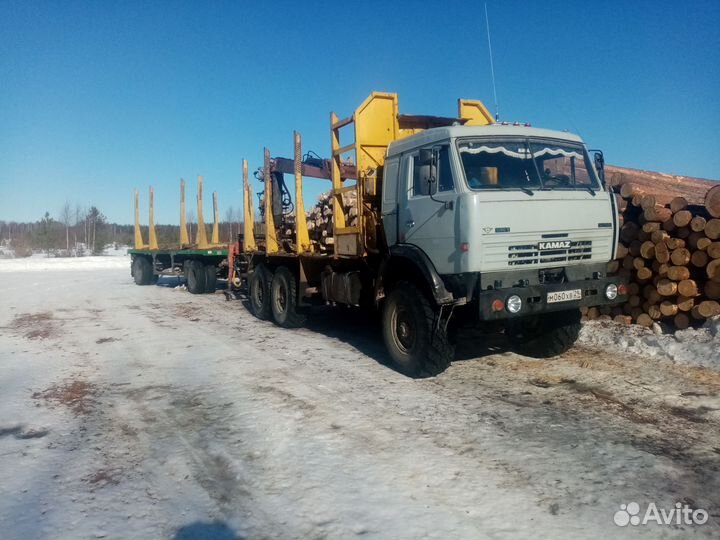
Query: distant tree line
[[78, 231]]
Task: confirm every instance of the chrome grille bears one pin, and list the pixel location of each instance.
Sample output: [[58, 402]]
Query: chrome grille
[[522, 254]]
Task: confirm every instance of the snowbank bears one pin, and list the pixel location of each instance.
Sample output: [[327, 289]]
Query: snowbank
[[692, 346], [44, 264]]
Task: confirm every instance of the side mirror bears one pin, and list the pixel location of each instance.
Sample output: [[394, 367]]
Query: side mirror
[[600, 165], [428, 170]]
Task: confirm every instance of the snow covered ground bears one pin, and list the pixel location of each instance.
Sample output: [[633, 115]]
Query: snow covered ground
[[75, 264], [694, 346], [146, 412]]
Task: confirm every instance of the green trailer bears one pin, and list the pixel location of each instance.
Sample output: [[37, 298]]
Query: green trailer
[[199, 263], [199, 267]]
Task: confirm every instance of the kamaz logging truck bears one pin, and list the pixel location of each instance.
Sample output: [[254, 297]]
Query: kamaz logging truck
[[457, 221]]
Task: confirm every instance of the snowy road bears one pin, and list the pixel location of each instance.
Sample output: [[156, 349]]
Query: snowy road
[[145, 412]]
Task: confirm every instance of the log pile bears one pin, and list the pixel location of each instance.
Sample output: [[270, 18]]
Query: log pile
[[669, 252], [320, 223], [664, 187]]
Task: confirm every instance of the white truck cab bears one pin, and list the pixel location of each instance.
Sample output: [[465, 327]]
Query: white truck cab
[[504, 211]]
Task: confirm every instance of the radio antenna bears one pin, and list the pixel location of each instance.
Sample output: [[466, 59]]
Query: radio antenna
[[492, 67]]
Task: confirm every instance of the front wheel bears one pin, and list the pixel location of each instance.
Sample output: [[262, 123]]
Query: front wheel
[[417, 341], [546, 335]]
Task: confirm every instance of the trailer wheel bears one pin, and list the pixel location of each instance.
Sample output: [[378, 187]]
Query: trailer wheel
[[210, 278], [259, 292], [283, 295], [417, 345], [142, 271], [196, 277], [544, 336]]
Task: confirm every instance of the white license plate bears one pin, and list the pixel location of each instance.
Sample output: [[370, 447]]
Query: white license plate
[[564, 296]]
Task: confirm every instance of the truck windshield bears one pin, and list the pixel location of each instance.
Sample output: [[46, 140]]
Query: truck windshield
[[526, 165], [493, 165], [564, 166]]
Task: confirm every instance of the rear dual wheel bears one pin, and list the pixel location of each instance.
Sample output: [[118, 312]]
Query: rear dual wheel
[[142, 271], [274, 295], [200, 278], [283, 299], [259, 292]]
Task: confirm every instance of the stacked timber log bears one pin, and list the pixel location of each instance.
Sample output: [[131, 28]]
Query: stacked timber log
[[669, 252], [320, 220]]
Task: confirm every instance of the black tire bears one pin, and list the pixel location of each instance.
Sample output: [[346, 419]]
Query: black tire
[[210, 278], [545, 336], [142, 271], [418, 346], [259, 292], [283, 299], [196, 277]]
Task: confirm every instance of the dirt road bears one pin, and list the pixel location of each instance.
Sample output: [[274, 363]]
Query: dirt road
[[145, 412]]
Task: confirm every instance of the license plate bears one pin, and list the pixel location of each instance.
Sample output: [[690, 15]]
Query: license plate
[[564, 296]]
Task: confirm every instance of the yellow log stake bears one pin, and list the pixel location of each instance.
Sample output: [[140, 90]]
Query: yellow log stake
[[139, 244], [152, 238], [271, 243], [215, 240], [184, 238], [201, 239], [302, 238], [248, 214]]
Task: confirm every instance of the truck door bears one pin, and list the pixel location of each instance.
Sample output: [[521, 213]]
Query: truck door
[[424, 220], [390, 200]]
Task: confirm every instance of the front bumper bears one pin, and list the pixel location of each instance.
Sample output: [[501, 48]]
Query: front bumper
[[534, 298]]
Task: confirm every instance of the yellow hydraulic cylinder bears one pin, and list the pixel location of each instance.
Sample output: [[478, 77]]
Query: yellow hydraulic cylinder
[[302, 238], [248, 214], [152, 238], [184, 238], [271, 243], [139, 244], [215, 240], [201, 239]]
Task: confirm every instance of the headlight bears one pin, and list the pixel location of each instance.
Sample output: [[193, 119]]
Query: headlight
[[513, 303], [611, 291]]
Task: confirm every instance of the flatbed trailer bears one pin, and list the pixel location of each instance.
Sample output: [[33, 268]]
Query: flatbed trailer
[[199, 263]]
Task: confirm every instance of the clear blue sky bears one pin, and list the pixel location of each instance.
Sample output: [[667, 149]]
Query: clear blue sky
[[97, 98]]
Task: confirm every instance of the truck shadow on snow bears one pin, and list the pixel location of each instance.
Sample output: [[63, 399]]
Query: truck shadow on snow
[[173, 282], [363, 332], [200, 530]]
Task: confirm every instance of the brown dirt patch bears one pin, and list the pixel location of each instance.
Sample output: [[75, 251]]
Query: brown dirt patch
[[104, 477], [77, 395], [188, 310], [35, 325]]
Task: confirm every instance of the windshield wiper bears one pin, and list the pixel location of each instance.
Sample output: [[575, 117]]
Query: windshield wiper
[[591, 190], [526, 190], [523, 188]]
